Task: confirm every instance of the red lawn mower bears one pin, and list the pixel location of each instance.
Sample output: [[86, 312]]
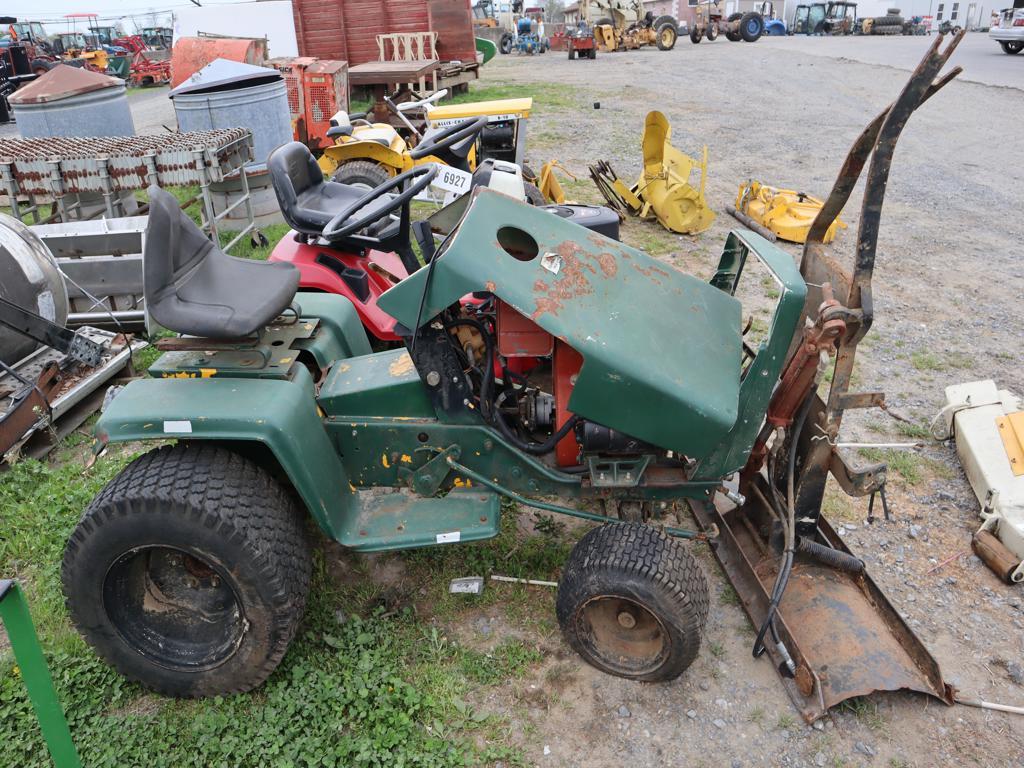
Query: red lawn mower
[[362, 256]]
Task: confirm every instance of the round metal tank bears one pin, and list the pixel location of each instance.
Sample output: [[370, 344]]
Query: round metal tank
[[261, 108], [30, 278], [67, 101]]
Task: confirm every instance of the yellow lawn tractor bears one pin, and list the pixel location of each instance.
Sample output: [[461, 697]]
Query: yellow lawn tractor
[[460, 136]]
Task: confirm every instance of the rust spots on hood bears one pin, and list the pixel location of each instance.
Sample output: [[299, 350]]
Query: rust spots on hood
[[608, 264], [653, 272], [489, 286], [571, 283]]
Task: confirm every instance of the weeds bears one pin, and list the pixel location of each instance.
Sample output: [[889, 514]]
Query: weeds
[[866, 712]]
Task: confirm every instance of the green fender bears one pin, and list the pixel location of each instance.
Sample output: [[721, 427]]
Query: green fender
[[280, 414]]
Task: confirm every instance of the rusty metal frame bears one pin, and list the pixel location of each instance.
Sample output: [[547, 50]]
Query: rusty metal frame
[[843, 635], [877, 142]]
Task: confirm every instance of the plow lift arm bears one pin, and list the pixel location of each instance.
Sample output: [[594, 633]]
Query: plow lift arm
[[823, 621]]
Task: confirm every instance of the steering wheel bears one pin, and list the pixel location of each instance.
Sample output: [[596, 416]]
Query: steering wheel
[[340, 226], [449, 137]]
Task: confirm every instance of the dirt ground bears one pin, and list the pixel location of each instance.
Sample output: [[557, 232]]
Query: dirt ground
[[948, 288]]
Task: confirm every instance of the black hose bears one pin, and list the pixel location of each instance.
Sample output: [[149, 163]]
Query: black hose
[[536, 449], [782, 578], [835, 558]]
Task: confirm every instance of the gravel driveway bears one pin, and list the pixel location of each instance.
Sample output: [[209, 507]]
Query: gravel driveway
[[948, 288]]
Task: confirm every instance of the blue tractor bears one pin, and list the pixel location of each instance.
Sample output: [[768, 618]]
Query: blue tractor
[[526, 39]]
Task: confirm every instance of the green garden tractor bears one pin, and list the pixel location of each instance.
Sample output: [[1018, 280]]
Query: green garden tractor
[[543, 363]]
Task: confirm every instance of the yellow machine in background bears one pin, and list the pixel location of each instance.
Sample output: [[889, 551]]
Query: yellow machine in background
[[785, 213], [369, 154], [627, 24], [663, 191]]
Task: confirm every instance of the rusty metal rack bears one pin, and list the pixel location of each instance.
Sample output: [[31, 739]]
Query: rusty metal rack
[[63, 167], [43, 398]]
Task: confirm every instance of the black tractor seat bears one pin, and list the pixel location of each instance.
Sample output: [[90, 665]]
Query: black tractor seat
[[308, 202], [194, 288]]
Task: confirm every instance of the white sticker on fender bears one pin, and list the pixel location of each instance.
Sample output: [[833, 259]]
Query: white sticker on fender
[[449, 538], [177, 427]]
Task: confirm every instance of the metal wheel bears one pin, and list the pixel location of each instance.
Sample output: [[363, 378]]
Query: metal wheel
[[623, 636], [667, 35], [174, 608]]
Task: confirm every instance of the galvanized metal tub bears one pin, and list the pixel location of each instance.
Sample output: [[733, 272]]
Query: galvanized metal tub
[[103, 112], [263, 109]]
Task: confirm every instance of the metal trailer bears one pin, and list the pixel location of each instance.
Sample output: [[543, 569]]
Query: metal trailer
[[101, 262]]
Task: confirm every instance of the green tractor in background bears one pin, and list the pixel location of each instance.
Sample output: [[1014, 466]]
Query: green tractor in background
[[542, 363]]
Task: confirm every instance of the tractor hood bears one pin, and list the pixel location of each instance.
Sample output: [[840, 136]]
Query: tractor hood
[[661, 349]]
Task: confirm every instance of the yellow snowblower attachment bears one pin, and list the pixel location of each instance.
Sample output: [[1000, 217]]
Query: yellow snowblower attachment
[[785, 213], [663, 191]]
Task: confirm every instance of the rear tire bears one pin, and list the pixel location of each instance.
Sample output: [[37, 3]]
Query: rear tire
[[733, 35], [361, 173], [189, 572], [633, 602], [1012, 46], [751, 27], [665, 19], [533, 195], [40, 66]]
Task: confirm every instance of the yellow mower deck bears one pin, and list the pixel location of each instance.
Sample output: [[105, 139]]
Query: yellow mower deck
[[786, 213]]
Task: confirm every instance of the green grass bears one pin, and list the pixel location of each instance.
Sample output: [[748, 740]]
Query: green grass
[[372, 691], [649, 236], [547, 97], [244, 248], [866, 712], [930, 361], [909, 465]]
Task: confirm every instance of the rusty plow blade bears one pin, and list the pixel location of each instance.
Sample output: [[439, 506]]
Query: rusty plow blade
[[844, 635]]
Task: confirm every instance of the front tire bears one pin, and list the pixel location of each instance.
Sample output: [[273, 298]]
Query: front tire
[[189, 572], [667, 35], [711, 33], [633, 602], [362, 174], [695, 34], [40, 67], [505, 44]]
